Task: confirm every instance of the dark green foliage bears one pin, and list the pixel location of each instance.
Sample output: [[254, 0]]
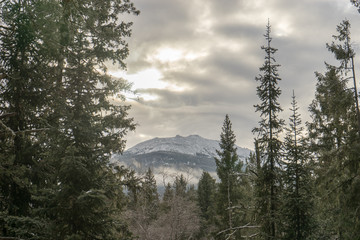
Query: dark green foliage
[[298, 209], [85, 136], [22, 100], [169, 192], [149, 195], [229, 196], [344, 53], [58, 126], [328, 132], [268, 142], [180, 186], [206, 195], [206, 200], [335, 143]]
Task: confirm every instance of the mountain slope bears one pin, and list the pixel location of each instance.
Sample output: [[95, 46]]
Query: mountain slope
[[170, 157], [191, 145]]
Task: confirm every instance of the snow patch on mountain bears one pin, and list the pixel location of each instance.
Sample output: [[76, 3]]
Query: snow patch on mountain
[[192, 145]]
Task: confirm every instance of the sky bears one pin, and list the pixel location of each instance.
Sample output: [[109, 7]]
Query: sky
[[193, 62]]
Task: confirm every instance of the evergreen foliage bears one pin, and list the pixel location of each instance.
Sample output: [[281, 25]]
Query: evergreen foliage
[[229, 170], [206, 200], [335, 144], [61, 126], [269, 143], [297, 207]]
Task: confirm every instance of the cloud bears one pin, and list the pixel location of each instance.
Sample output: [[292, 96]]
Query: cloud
[[206, 55]]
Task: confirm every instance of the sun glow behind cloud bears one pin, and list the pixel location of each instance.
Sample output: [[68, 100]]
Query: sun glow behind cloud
[[173, 55], [150, 78]]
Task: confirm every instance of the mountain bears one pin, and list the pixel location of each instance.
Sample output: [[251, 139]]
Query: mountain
[[170, 157]]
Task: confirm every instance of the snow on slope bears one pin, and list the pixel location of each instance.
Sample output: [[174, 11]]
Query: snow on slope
[[192, 145]]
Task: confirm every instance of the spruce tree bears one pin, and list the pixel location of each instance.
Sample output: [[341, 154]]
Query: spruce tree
[[206, 195], [269, 144], [228, 168], [149, 195], [206, 200], [61, 125], [298, 199], [335, 143], [344, 53], [24, 100], [89, 126]]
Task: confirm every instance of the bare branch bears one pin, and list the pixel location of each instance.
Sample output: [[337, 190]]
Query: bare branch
[[7, 114], [237, 228], [13, 134], [10, 238], [32, 130]]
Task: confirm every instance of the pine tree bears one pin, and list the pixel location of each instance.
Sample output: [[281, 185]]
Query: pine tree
[[268, 141], [228, 168], [298, 200]]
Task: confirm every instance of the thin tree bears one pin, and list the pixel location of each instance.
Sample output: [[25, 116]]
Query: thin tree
[[269, 144], [298, 200], [228, 168]]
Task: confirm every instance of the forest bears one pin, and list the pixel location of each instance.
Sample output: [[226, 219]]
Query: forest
[[59, 125]]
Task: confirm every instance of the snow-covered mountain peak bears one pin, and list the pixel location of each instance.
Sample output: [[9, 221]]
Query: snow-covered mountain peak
[[192, 145]]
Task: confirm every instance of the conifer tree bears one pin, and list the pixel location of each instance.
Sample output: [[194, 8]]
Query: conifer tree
[[144, 212], [206, 200], [61, 126], [335, 143], [269, 144], [89, 126], [206, 195], [344, 53], [149, 195], [298, 200], [24, 100], [228, 168]]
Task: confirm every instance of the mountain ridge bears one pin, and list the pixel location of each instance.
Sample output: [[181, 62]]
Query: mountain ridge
[[192, 145], [169, 157]]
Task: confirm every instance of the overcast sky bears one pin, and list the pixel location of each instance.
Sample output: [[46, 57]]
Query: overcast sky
[[192, 62]]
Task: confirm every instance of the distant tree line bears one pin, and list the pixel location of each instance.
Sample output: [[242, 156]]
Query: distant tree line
[[59, 125]]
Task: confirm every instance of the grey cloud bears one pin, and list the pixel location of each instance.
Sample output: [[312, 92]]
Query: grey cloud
[[223, 81], [239, 30]]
